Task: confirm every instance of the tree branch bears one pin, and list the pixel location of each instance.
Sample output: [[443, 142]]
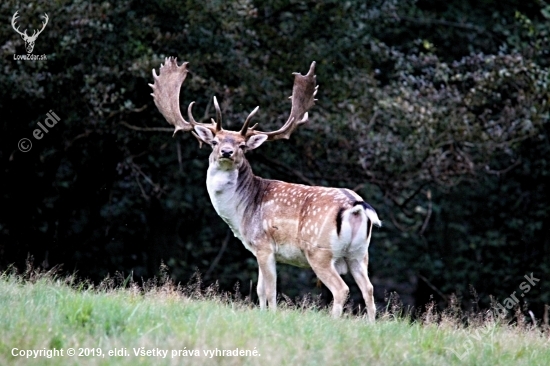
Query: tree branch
[[442, 22], [219, 255], [147, 129], [503, 171], [427, 282], [295, 172], [429, 214]]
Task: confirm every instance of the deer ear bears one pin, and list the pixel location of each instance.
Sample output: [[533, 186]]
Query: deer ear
[[255, 141], [204, 134]]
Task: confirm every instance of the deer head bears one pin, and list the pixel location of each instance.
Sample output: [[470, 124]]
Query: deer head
[[29, 40]]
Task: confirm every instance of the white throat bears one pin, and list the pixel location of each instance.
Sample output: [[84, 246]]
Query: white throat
[[222, 188]]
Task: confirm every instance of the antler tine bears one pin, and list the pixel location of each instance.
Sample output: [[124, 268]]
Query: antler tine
[[43, 25], [303, 93], [166, 91], [190, 114], [244, 129], [13, 21], [218, 115]]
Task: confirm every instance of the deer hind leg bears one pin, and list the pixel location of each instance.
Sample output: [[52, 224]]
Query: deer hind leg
[[323, 265], [267, 280], [358, 269]]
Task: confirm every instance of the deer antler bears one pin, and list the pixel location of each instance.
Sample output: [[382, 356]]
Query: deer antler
[[303, 93], [24, 34], [35, 33], [166, 93], [218, 121], [245, 129], [13, 19]]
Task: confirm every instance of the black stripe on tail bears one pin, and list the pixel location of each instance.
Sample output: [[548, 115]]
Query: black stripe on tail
[[366, 206]]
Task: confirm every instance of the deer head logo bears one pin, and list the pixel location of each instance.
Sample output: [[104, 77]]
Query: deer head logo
[[29, 40]]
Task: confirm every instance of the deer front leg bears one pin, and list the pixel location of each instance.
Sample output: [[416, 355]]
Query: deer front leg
[[267, 280], [358, 269], [261, 290], [322, 263]]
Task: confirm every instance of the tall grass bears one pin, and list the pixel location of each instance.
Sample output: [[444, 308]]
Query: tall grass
[[41, 311]]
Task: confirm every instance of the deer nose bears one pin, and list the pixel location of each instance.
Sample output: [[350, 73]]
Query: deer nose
[[226, 153]]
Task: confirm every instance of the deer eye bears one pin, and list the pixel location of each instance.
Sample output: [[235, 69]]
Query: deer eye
[[242, 147], [214, 142]]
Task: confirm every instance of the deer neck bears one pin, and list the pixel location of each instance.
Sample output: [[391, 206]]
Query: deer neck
[[234, 192]]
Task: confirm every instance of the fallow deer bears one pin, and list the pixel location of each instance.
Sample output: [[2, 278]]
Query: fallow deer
[[327, 229]]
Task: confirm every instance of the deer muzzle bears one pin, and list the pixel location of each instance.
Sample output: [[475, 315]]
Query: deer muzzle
[[226, 153]]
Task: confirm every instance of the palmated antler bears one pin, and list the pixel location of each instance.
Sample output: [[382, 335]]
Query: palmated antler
[[303, 98], [166, 94]]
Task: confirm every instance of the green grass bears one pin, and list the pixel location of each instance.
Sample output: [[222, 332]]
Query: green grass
[[43, 312]]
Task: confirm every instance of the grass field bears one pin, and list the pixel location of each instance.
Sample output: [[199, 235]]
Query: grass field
[[109, 325]]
